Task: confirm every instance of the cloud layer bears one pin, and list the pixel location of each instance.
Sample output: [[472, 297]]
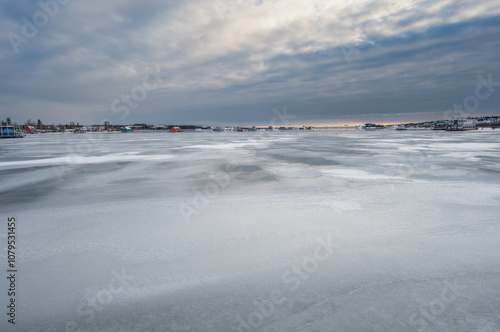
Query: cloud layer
[[231, 62]]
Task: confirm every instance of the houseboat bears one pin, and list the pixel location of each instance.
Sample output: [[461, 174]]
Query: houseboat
[[440, 125], [11, 132], [461, 125]]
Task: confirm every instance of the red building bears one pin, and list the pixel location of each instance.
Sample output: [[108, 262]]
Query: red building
[[29, 129]]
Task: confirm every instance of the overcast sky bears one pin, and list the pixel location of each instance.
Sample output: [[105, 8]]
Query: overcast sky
[[233, 62]]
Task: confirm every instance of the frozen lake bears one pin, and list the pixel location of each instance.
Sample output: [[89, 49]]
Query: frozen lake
[[281, 231]]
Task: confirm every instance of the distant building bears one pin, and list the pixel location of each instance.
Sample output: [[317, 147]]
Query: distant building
[[440, 125], [11, 132], [461, 125], [29, 129]]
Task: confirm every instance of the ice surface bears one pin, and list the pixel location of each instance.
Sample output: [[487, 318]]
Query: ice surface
[[194, 231]]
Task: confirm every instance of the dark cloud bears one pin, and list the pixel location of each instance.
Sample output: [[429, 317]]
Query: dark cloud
[[233, 63]]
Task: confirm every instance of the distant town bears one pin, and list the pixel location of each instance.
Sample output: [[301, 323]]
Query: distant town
[[38, 126]]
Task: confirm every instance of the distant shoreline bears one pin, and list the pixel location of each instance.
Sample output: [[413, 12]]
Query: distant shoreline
[[31, 127]]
